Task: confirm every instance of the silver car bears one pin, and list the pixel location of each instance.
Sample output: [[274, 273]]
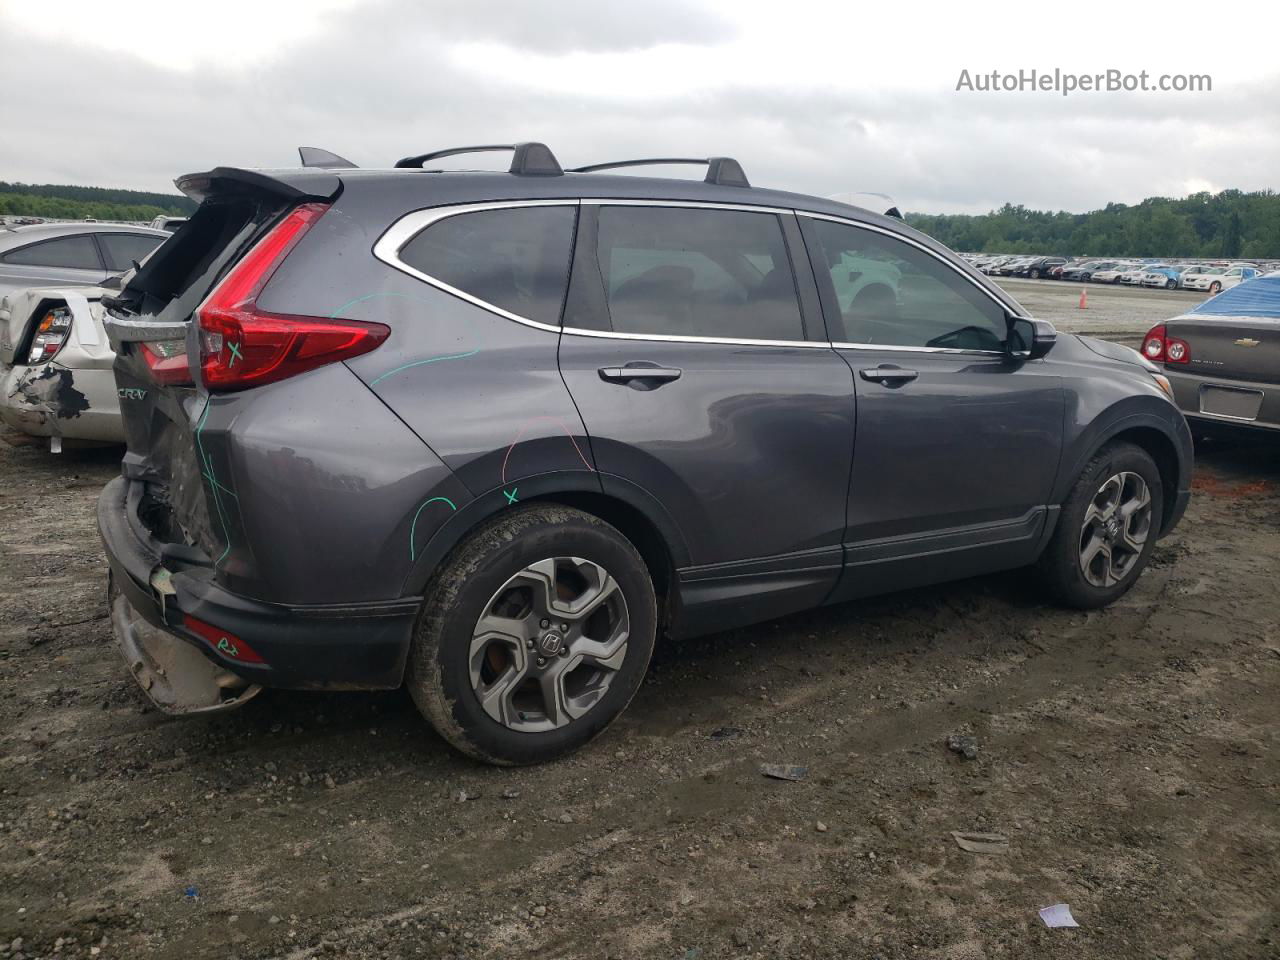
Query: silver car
[[55, 365], [71, 254]]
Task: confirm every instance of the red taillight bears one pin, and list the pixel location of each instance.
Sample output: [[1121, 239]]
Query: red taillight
[[167, 361], [1159, 347], [227, 644], [1153, 345], [243, 346], [50, 336]]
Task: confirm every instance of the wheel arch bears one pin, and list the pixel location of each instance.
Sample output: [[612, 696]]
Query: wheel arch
[[1162, 450], [635, 513], [1149, 432]]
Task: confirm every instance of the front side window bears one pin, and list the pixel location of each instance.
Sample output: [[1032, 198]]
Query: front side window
[[122, 249], [516, 259], [677, 271], [77, 253], [892, 293]]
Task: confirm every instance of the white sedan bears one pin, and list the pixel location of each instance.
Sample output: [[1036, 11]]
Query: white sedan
[[1113, 275], [1217, 279]]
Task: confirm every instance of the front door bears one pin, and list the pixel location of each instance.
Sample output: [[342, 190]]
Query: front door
[[703, 383], [956, 444]]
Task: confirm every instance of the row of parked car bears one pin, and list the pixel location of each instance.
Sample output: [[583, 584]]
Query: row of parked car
[[1209, 277]]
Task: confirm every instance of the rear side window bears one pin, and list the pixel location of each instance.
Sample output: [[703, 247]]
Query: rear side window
[[515, 259], [121, 249], [77, 253], [891, 293], [673, 271]]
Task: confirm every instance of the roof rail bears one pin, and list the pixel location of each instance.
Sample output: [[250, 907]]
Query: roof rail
[[725, 171], [316, 157], [530, 159]]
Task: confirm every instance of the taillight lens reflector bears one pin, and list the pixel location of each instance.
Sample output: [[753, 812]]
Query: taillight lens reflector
[[167, 361], [226, 644]]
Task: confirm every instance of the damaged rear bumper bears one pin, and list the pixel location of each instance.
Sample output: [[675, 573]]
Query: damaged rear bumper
[[50, 400], [171, 588]]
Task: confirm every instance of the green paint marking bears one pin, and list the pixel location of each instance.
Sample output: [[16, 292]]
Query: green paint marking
[[213, 481], [217, 500], [235, 353], [401, 296], [414, 526], [230, 649], [374, 296], [419, 363], [511, 497]]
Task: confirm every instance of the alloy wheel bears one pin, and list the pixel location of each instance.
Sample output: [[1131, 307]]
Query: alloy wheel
[[548, 644], [1115, 529]]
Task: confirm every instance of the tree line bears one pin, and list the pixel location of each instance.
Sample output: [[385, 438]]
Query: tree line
[[61, 202], [1231, 224]]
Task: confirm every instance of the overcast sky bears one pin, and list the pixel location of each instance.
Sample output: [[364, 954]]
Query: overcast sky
[[817, 97]]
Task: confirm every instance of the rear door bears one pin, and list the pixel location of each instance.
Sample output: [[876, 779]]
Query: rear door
[[705, 385], [957, 445]]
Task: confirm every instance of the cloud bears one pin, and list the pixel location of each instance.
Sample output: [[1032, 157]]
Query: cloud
[[389, 78]]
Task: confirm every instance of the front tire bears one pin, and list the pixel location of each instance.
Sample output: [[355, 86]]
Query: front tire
[[1215, 288], [536, 634], [1107, 529]]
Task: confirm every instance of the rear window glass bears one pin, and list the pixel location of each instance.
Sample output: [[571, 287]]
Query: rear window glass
[[515, 259], [674, 271], [121, 249], [77, 253]]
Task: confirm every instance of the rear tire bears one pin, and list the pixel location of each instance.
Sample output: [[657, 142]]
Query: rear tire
[[501, 664], [1215, 288], [1091, 561]]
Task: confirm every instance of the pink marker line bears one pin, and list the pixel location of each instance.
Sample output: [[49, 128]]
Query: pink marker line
[[519, 436]]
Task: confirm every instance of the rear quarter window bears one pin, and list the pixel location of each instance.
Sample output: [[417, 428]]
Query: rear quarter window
[[515, 259]]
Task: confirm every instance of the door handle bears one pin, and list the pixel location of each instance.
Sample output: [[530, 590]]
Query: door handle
[[635, 372], [888, 376]]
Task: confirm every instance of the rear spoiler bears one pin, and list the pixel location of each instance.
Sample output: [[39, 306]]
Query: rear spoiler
[[295, 185]]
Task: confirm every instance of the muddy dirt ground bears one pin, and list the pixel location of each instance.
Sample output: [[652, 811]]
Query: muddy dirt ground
[[1129, 756]]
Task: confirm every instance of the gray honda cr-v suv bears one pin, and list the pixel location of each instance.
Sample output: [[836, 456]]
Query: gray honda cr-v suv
[[490, 434]]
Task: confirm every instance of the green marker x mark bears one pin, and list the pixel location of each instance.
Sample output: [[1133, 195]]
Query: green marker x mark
[[510, 495], [235, 353]]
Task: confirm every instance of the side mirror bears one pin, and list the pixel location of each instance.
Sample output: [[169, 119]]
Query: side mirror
[[1030, 339]]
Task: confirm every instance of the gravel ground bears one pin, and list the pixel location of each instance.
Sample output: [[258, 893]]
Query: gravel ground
[[1128, 756], [1112, 311]]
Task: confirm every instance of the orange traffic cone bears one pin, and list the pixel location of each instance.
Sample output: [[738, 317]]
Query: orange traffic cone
[[1084, 299]]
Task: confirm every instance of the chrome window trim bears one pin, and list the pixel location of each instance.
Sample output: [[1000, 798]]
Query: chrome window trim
[[676, 338], [894, 348], [694, 204], [397, 236]]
